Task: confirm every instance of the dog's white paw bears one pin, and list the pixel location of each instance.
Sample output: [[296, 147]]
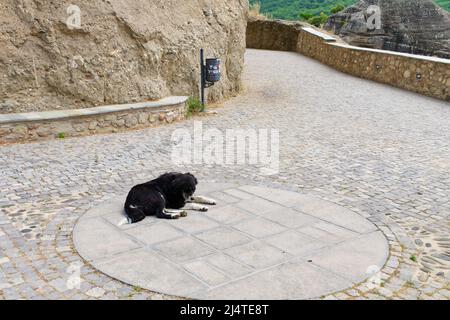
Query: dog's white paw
[[183, 213], [175, 215], [210, 202], [203, 208], [202, 200]]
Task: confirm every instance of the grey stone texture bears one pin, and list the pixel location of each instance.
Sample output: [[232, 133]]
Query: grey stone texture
[[411, 26], [122, 52]]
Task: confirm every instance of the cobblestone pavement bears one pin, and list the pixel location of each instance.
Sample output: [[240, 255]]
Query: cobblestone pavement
[[379, 151]]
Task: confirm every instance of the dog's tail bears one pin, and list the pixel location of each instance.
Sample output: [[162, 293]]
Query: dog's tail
[[134, 213]]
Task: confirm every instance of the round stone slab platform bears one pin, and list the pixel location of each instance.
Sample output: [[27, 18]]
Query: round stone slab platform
[[256, 243]]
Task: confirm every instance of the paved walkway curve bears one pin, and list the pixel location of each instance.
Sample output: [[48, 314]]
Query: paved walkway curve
[[379, 151]]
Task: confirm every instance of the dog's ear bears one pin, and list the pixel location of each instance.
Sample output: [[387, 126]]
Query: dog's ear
[[195, 179]]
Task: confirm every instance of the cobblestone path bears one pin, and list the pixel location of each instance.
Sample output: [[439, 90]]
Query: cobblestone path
[[379, 151]]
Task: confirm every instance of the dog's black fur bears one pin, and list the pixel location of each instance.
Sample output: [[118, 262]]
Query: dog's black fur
[[170, 190]]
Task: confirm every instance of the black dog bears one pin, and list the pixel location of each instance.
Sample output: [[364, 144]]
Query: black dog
[[163, 197]]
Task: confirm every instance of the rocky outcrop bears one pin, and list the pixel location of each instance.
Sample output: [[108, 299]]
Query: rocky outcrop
[[123, 51], [410, 26]]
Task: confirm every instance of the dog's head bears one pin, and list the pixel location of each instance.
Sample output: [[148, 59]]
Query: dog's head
[[185, 184]]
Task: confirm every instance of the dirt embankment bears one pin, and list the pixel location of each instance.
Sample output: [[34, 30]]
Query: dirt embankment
[[123, 51]]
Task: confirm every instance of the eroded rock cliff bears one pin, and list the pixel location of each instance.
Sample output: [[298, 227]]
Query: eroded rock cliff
[[411, 26], [123, 51]]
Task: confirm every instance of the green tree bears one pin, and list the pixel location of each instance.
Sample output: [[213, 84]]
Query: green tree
[[289, 9], [305, 16], [319, 20], [337, 8]]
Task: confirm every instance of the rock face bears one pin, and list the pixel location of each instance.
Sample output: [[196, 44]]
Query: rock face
[[122, 51], [411, 26]]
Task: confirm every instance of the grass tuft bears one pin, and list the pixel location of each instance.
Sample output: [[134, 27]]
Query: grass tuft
[[194, 106]]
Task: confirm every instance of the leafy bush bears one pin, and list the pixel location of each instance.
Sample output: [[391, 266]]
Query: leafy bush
[[337, 8], [305, 16], [319, 20]]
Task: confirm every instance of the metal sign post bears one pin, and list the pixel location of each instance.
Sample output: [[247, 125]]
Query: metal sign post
[[209, 74]]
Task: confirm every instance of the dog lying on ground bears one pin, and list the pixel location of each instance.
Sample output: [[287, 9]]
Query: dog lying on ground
[[166, 197]]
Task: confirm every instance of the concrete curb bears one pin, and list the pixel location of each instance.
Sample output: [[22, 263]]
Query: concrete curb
[[72, 113], [34, 126]]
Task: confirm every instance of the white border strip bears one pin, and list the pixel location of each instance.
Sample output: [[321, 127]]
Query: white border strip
[[322, 35]]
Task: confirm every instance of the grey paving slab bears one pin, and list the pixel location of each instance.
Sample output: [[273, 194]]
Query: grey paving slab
[[258, 254], [206, 273], [195, 224], [223, 238], [229, 266], [327, 232], [208, 188], [294, 243], [289, 217], [239, 194], [259, 227], [223, 198], [183, 249], [259, 206], [335, 214], [293, 280], [228, 214], [354, 259], [146, 269], [283, 197], [157, 232], [96, 239], [254, 236]]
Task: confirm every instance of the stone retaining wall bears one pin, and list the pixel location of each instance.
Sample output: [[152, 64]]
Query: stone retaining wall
[[272, 34], [107, 119], [426, 75]]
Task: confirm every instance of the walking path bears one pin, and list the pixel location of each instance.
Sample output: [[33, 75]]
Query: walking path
[[381, 152]]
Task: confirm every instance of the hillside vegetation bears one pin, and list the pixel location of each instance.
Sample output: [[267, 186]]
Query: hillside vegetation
[[305, 9]]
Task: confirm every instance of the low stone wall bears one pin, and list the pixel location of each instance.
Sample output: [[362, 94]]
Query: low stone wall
[[272, 34], [34, 126], [426, 75]]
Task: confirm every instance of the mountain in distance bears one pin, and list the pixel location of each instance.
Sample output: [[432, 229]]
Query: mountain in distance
[[410, 26], [291, 9]]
